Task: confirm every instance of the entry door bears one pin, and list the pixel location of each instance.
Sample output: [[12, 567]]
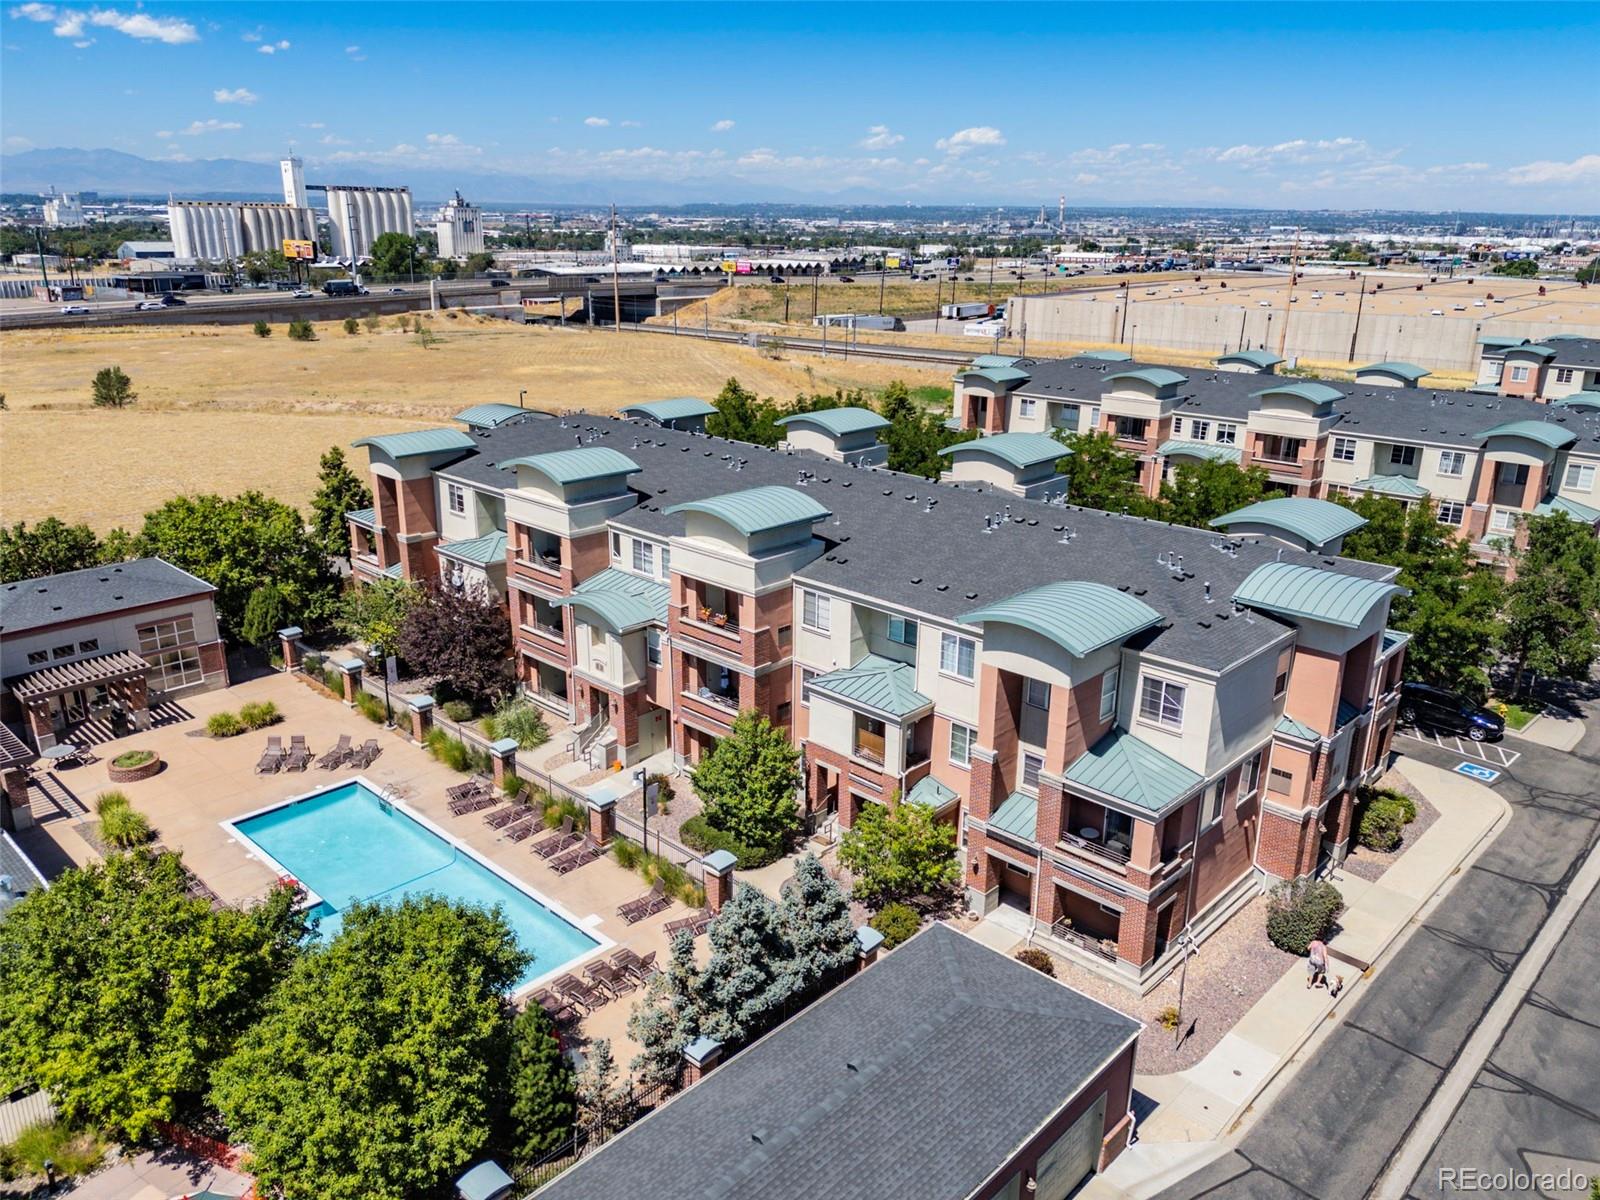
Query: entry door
[[1072, 1156]]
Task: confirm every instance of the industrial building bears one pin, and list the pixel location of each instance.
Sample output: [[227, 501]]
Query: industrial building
[[459, 227], [218, 230], [63, 211], [359, 216]]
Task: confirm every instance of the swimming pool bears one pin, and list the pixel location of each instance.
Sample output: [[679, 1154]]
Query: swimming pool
[[347, 843]]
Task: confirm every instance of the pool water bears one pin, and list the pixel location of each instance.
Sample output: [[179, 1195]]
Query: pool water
[[347, 844]]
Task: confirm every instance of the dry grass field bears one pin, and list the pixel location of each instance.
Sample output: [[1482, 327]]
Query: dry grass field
[[222, 410]]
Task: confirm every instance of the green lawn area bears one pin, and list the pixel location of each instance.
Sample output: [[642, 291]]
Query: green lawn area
[[1517, 717]]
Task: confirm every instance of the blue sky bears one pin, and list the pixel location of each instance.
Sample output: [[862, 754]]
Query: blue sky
[[1449, 105]]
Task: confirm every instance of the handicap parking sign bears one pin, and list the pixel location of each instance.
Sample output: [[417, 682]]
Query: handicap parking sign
[[1482, 774]]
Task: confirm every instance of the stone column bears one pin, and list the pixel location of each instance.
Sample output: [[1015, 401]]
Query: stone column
[[503, 754], [15, 813], [421, 716], [350, 668], [602, 820], [39, 724], [289, 646], [138, 698], [868, 942], [699, 1057], [719, 866]]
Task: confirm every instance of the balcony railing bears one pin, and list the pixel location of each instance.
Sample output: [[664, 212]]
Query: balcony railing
[[868, 752], [706, 695], [554, 632], [542, 560], [1099, 849], [1104, 948], [716, 622]]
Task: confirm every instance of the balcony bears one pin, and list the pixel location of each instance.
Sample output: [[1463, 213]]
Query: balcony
[[554, 632], [1102, 948], [1113, 852]]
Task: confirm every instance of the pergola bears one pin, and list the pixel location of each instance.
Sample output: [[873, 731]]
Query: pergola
[[122, 673], [15, 755]]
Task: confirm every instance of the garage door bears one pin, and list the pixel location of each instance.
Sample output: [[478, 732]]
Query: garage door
[[1072, 1156]]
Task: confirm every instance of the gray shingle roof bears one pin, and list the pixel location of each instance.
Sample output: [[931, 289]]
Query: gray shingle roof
[[93, 592], [879, 1091]]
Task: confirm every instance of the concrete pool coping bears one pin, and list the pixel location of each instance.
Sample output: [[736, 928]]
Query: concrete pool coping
[[253, 849]]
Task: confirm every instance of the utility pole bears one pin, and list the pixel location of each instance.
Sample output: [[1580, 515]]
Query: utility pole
[[1360, 301], [816, 282], [1294, 272], [44, 272], [882, 275], [616, 289]]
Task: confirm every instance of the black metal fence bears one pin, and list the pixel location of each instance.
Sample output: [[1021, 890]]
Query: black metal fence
[[587, 1138]]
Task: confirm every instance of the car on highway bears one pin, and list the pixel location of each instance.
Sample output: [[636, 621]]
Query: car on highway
[[148, 306], [74, 310], [168, 300], [775, 279], [301, 294], [1423, 704], [497, 283], [397, 291]]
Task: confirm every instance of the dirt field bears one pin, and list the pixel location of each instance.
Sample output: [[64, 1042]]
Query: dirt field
[[222, 410]]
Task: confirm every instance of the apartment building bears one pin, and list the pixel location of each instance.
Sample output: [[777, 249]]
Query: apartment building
[[1483, 460], [1131, 724], [1561, 367]]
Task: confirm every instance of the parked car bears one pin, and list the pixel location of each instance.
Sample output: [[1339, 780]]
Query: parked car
[[75, 310], [397, 291], [847, 279], [1423, 704], [775, 278]]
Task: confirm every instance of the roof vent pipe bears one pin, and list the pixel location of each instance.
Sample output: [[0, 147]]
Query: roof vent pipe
[[1208, 589]]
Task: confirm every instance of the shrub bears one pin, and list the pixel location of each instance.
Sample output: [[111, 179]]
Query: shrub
[[1300, 911], [123, 826], [352, 326], [260, 714], [109, 800], [457, 710], [301, 331], [511, 785], [896, 922], [1037, 959], [133, 758], [698, 834], [112, 388], [1381, 825], [371, 322], [224, 724], [452, 752], [521, 721], [69, 1152], [312, 662], [664, 792], [1406, 805], [370, 707], [1169, 1017], [333, 680], [262, 329]]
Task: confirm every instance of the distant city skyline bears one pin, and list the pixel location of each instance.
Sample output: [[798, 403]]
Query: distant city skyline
[[1426, 106]]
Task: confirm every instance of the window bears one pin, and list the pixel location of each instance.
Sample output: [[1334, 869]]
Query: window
[[1228, 435], [1108, 693], [1199, 431], [1281, 449], [165, 634], [1519, 374], [66, 651], [1403, 456], [1027, 407], [961, 739], [35, 657], [1064, 416], [1280, 685], [1177, 426], [1251, 779], [785, 635], [1218, 794], [1563, 374], [1503, 520], [956, 655], [616, 546], [1038, 694], [666, 562], [1452, 462], [652, 646], [815, 612], [1450, 512], [1161, 702], [1131, 427], [784, 713], [1094, 416], [89, 646], [1579, 477], [1344, 449], [1032, 764], [458, 497], [902, 632], [1279, 782], [644, 557], [1511, 474], [176, 668], [806, 676]]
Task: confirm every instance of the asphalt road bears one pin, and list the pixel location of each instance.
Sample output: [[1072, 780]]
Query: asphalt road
[[1332, 1131]]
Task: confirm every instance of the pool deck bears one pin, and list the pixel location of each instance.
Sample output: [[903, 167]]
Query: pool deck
[[206, 782]]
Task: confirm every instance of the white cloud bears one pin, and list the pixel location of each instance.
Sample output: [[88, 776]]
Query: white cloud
[[273, 47], [18, 143], [234, 96], [212, 125], [880, 137], [597, 122], [1580, 170], [330, 139], [629, 124], [70, 23], [250, 35], [355, 53], [722, 126], [315, 125], [969, 139]]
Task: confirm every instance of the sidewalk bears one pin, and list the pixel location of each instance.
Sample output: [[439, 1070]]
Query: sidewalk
[[1553, 727], [1197, 1109]]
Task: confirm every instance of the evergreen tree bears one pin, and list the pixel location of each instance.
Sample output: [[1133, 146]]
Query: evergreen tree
[[670, 1017], [544, 1100], [749, 970], [748, 783], [604, 1100], [816, 920], [264, 615], [112, 388], [339, 490]]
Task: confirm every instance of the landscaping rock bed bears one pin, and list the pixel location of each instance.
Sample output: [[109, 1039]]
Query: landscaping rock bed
[[1368, 864]]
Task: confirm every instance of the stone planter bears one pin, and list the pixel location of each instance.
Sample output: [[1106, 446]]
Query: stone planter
[[133, 774]]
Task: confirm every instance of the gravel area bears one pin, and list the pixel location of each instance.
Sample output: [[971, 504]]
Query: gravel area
[[683, 805], [1371, 864]]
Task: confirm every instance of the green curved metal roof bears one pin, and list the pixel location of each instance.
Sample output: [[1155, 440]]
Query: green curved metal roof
[[1294, 590], [1546, 433], [577, 465], [675, 409], [1501, 342], [756, 510], [1401, 487], [1018, 449], [1316, 393], [996, 360], [878, 683], [1315, 521], [1579, 402], [1256, 358], [480, 551], [1158, 377], [1121, 766], [1017, 815], [931, 792], [1535, 348], [619, 601], [418, 441], [1105, 355], [1567, 508], [998, 375], [1211, 450], [1404, 370], [488, 416], [836, 422], [1078, 616]]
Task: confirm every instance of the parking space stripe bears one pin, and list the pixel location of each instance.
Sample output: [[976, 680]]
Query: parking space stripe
[[1482, 751]]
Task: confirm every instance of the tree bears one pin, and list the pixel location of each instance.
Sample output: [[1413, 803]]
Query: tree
[[1522, 268], [748, 976], [476, 264], [670, 1017], [915, 437], [339, 490], [1103, 475], [373, 613], [1551, 619], [379, 1069], [604, 1101], [113, 389], [899, 854], [261, 265], [119, 992], [352, 326], [744, 417], [263, 615], [461, 636], [1589, 274], [896, 403], [394, 254], [238, 544], [748, 783], [49, 548], [300, 330], [544, 1101], [262, 329], [1201, 491], [816, 919]]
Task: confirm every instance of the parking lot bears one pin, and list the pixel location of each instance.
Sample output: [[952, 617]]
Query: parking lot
[[1493, 754]]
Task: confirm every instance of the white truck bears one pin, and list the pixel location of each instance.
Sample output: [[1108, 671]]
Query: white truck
[[966, 310]]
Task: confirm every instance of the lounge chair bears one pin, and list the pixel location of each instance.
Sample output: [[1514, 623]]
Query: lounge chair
[[335, 757], [367, 755], [522, 830], [469, 798], [463, 791], [271, 758], [608, 977], [694, 924], [638, 910], [501, 817], [642, 969], [561, 839], [581, 994], [579, 857], [560, 1011]]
